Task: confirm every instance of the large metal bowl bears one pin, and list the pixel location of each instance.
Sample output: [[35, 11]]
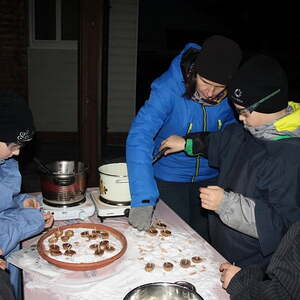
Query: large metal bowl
[[164, 291]]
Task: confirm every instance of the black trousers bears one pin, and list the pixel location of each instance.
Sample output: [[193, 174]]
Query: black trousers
[[183, 198], [6, 292]]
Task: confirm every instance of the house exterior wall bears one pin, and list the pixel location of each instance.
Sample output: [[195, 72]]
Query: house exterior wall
[[53, 95], [122, 59], [53, 76]]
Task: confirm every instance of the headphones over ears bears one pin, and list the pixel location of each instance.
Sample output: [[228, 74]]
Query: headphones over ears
[[188, 61]]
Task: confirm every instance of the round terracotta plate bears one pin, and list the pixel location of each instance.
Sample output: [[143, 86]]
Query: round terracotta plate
[[83, 266]]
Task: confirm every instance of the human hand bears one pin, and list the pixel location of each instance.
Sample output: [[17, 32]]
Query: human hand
[[211, 197], [48, 218], [141, 217], [228, 271], [174, 142], [31, 203], [2, 264]]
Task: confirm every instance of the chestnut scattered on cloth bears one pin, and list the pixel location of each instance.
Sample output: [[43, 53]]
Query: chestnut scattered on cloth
[[165, 232], [160, 225], [197, 259], [185, 263], [149, 267], [152, 231], [168, 266]]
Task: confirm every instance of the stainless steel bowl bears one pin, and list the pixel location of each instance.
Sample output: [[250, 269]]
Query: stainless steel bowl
[[164, 291]]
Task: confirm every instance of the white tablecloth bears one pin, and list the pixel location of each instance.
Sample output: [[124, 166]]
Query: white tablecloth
[[114, 281]]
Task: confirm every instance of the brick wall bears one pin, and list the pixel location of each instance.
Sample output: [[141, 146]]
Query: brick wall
[[13, 42]]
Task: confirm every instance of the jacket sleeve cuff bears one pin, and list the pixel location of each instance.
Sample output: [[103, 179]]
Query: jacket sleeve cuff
[[225, 207], [189, 147], [244, 278], [19, 199]]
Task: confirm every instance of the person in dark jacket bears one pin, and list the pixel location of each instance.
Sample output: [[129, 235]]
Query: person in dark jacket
[[280, 280], [257, 196], [6, 291], [190, 96]]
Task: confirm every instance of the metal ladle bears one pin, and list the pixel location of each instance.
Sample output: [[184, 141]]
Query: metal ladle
[[59, 179], [43, 167]]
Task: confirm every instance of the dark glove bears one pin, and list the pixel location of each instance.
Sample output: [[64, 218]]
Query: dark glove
[[197, 143], [141, 217]]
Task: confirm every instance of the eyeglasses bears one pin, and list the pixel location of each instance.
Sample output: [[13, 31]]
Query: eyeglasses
[[246, 111], [216, 100], [213, 101]]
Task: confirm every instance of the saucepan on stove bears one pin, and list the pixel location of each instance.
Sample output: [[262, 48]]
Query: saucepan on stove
[[180, 290], [113, 185], [63, 183]]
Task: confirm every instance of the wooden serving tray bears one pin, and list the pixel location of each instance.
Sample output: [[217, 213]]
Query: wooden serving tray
[[82, 266]]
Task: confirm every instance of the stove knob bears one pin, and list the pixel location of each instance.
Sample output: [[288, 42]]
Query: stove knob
[[83, 215], [126, 212]]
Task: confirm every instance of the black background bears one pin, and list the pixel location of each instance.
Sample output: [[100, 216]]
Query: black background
[[165, 26]]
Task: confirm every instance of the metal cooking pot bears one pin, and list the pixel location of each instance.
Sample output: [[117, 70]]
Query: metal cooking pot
[[180, 290], [65, 185], [114, 186]]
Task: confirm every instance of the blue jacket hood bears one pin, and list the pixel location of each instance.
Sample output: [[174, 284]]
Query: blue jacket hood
[[173, 76]]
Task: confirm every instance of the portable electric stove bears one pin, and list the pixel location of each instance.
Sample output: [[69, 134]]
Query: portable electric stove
[[82, 210], [106, 210]]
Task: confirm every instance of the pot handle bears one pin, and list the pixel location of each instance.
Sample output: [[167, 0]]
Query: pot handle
[[121, 181], [187, 285]]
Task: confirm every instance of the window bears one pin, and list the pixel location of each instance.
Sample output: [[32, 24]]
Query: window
[[54, 23]]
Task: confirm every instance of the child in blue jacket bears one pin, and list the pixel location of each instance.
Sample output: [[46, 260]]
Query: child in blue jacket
[[20, 216]]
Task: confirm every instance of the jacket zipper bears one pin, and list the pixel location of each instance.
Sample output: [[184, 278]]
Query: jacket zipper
[[219, 124], [204, 128]]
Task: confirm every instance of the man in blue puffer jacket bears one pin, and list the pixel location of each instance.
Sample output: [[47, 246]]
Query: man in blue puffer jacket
[[189, 97], [20, 216]]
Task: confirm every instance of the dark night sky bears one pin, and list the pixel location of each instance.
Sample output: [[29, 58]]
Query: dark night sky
[[270, 28], [253, 23]]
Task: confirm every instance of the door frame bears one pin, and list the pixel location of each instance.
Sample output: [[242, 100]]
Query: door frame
[[92, 84]]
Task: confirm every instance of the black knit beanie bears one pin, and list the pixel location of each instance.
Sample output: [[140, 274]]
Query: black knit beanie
[[260, 78], [218, 59], [16, 122]]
